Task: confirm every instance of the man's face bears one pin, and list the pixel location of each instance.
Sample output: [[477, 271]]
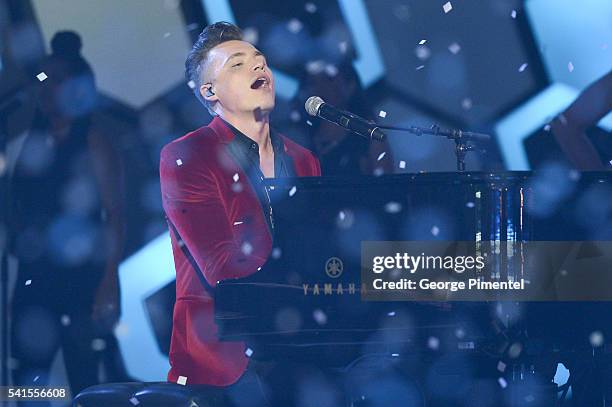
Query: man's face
[[240, 78]]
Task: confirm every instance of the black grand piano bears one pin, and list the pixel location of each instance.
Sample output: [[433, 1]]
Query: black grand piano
[[305, 302]]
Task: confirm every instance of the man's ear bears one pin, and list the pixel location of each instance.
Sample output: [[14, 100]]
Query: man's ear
[[207, 93]]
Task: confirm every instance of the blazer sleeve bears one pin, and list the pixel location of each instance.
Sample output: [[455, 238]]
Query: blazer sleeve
[[193, 203]]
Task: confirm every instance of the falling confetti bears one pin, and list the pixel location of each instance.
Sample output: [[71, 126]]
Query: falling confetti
[[192, 26], [251, 35], [381, 156], [466, 104], [596, 338], [501, 366], [191, 84], [454, 48], [459, 333], [310, 7], [238, 223], [470, 204], [98, 344], [435, 230], [308, 122], [610, 162], [292, 191], [42, 76], [295, 25], [447, 7], [382, 114], [166, 35], [36, 378], [236, 177], [418, 68], [343, 46], [378, 171], [295, 116], [246, 248], [570, 66], [391, 314], [502, 382], [395, 355], [515, 350], [433, 343], [134, 401], [331, 70], [182, 380], [513, 14], [65, 320], [179, 162], [248, 352], [522, 67], [547, 127], [320, 317], [422, 52], [342, 215], [393, 207], [422, 42], [28, 282], [402, 164], [276, 253]]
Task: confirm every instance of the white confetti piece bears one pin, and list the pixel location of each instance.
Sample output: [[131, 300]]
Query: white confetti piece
[[435, 230], [547, 127], [310, 7], [422, 42], [98, 344], [381, 156], [422, 52], [292, 191], [134, 401], [466, 104], [378, 171], [570, 66], [433, 343], [246, 248], [258, 268], [250, 35], [343, 46], [447, 7], [402, 164], [502, 382], [382, 114], [238, 223], [28, 282], [191, 84], [65, 320], [513, 14], [342, 215], [182, 380], [236, 177], [459, 333], [248, 352], [395, 355], [41, 76], [192, 26], [391, 314], [166, 35], [454, 48], [320, 317], [295, 25], [470, 204], [295, 116], [418, 68], [331, 70], [276, 253], [36, 378], [308, 122], [610, 162], [179, 162], [501, 366], [596, 339], [522, 67], [393, 207]]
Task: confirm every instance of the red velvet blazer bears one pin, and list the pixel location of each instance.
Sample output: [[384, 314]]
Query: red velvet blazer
[[209, 200]]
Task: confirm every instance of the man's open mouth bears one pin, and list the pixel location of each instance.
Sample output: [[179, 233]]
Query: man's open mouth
[[260, 82]]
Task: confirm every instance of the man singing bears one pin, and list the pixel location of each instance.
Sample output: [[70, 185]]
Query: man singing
[[219, 214]]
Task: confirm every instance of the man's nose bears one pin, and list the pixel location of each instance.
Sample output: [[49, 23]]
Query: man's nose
[[259, 65]]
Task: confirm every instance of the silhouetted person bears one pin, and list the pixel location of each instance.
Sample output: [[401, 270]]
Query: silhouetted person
[[68, 222]]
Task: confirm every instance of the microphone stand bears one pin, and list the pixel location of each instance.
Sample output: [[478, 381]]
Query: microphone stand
[[462, 139]]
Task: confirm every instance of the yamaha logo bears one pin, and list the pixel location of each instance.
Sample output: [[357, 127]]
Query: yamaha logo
[[334, 267]]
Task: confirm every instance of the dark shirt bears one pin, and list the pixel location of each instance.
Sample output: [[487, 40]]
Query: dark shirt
[[246, 152]]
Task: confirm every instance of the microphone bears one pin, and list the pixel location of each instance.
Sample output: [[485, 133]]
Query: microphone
[[315, 106]]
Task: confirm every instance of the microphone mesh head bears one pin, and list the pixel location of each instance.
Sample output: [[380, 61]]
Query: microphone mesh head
[[312, 105]]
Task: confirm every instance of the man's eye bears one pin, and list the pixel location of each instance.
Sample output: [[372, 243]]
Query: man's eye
[[237, 64]]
